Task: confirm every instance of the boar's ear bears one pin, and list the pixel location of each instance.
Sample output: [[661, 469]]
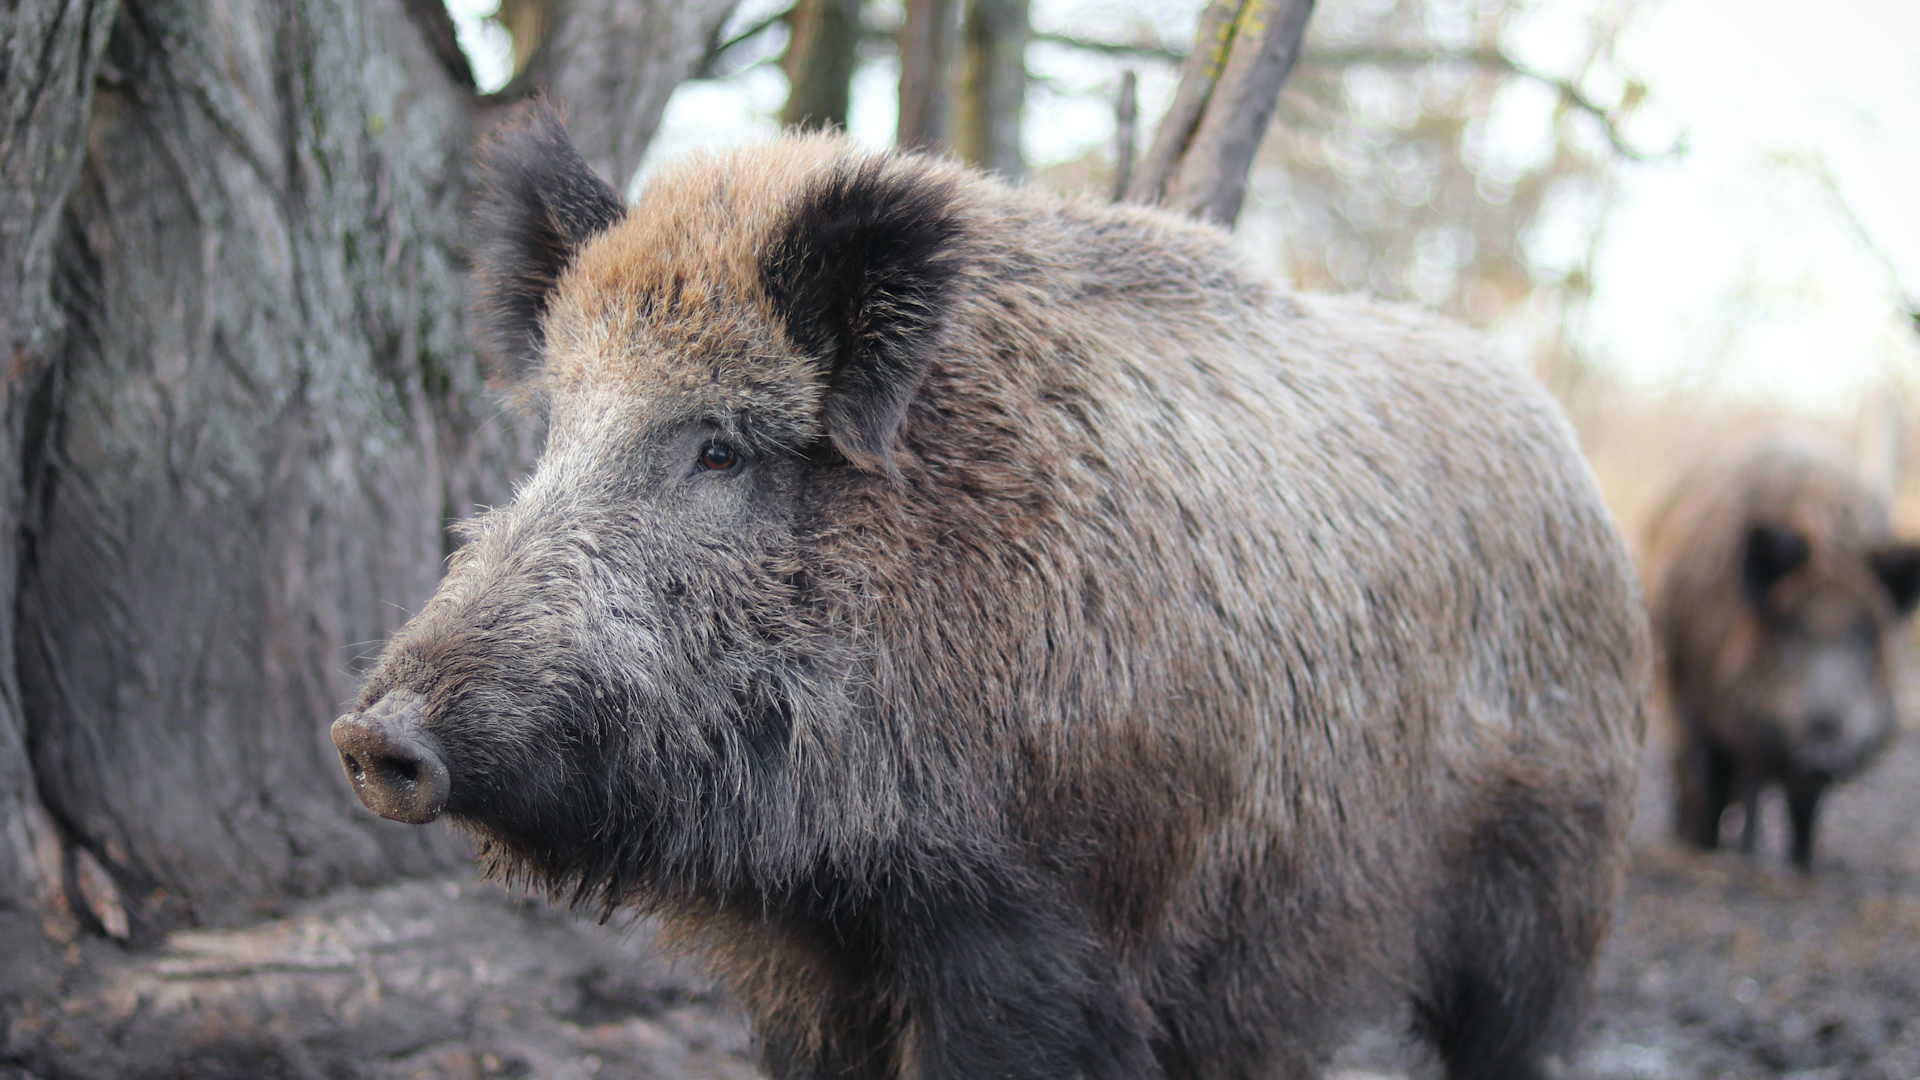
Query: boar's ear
[[1898, 568], [1770, 553], [539, 201], [862, 272]]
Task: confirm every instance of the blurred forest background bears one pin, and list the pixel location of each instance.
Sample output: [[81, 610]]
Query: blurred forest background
[[240, 412]]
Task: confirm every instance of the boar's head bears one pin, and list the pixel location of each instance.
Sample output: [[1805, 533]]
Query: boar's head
[[1828, 643], [632, 676]]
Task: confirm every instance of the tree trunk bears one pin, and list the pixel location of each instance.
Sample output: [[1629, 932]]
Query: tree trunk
[[244, 410], [49, 53], [927, 42], [993, 86], [613, 64], [1228, 87], [820, 62], [1198, 73]]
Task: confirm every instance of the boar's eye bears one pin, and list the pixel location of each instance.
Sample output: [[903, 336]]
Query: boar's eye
[[719, 457]]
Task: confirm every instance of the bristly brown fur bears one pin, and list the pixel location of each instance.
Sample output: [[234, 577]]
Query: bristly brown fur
[[1779, 599], [1012, 639]]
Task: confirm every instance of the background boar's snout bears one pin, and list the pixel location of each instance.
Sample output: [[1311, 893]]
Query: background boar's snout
[[394, 764]]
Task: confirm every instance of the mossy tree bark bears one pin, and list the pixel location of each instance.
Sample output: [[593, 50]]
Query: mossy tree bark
[[242, 414], [1229, 85]]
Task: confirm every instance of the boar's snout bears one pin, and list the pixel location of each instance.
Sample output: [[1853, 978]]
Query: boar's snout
[[394, 764]]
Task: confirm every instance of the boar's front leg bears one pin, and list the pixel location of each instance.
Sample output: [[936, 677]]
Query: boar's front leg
[[1803, 800], [997, 981], [1748, 779], [1706, 786]]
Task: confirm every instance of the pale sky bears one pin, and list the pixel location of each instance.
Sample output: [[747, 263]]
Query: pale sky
[[1740, 268], [1766, 262]]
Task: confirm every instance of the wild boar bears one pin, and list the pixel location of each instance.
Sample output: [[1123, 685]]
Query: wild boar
[[1011, 639], [1779, 599]]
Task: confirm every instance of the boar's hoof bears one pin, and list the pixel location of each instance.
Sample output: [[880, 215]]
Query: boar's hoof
[[394, 764]]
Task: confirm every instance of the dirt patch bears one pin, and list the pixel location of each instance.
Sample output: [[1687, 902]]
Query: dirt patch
[[433, 980], [1725, 966]]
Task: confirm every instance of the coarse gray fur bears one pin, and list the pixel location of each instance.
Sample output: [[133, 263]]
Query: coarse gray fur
[[1092, 660]]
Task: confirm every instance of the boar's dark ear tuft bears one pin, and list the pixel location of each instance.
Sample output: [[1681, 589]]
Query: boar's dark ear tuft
[[539, 201], [1769, 553], [862, 272], [1898, 568]]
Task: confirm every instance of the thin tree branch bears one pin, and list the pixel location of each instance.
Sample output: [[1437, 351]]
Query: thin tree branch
[[1114, 48], [717, 51], [1228, 88], [1495, 60], [1490, 59], [1198, 74]]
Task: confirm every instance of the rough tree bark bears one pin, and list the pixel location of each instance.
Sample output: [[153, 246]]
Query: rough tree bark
[[993, 86], [1228, 87], [49, 54], [614, 63], [927, 41], [820, 62], [240, 413]]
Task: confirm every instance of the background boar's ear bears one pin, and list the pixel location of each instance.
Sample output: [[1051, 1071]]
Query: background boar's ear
[[1771, 552], [539, 201], [1898, 567], [862, 273]]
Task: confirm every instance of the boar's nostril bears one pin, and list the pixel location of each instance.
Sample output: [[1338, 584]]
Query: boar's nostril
[[392, 761]]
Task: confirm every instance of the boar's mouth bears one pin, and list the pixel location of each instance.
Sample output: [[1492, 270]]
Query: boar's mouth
[[393, 762]]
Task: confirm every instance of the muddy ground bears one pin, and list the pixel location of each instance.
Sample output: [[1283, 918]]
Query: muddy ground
[[1726, 967], [1720, 966]]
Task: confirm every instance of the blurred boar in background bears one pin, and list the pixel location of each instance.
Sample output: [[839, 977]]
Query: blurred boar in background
[[1012, 640], [1779, 599]]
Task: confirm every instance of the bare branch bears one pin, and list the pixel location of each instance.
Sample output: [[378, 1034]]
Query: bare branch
[[1495, 60], [1197, 77], [1236, 73], [1491, 59], [710, 65], [1114, 48]]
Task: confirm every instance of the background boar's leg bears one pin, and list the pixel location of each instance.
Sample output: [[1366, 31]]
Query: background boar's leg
[[1705, 775], [1803, 798], [1748, 778]]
